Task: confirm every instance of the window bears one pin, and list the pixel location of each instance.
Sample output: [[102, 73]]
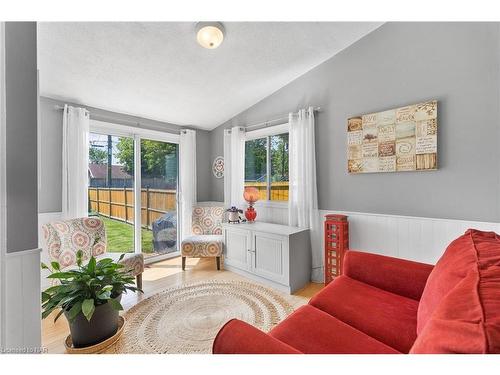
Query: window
[[266, 166], [279, 167]]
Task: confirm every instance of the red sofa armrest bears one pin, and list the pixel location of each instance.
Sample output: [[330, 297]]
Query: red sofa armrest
[[403, 277], [237, 337]]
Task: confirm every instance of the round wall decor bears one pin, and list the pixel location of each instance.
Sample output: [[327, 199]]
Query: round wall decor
[[218, 167]]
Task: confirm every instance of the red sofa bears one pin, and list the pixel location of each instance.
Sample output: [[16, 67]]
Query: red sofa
[[388, 305]]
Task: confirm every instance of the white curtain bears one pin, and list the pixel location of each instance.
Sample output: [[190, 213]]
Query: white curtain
[[234, 166], [75, 156], [303, 196], [187, 180]]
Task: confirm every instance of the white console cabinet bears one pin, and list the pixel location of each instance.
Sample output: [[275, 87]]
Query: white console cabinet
[[277, 255]]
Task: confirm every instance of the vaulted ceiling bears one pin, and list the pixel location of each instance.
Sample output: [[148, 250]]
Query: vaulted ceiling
[[158, 71]]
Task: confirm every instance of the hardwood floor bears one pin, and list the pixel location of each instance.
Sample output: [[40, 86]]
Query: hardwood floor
[[156, 278]]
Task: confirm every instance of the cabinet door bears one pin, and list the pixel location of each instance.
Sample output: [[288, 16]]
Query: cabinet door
[[238, 245], [269, 256]]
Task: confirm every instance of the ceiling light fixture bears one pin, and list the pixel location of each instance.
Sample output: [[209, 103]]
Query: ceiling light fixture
[[209, 34]]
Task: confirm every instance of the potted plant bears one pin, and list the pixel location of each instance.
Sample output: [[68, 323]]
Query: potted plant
[[89, 296]]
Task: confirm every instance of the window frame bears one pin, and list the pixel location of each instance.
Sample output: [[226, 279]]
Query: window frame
[[267, 132]]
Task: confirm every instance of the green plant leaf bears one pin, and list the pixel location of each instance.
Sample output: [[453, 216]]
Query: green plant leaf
[[107, 287], [55, 265], [61, 275], [52, 289], [91, 265], [121, 257], [74, 311], [45, 297], [115, 304], [105, 261], [44, 266], [104, 295], [51, 304], [68, 300], [88, 308], [46, 313], [79, 258], [58, 315]]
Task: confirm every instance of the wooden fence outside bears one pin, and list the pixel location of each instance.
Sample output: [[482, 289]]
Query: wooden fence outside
[[279, 190], [118, 203]]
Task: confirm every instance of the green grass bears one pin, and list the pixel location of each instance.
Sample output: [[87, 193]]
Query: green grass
[[121, 237]]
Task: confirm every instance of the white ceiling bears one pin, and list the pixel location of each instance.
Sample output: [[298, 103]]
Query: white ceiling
[[158, 71]]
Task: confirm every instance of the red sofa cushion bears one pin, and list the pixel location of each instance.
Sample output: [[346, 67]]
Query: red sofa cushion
[[467, 319], [399, 276], [460, 258], [385, 316], [313, 331], [238, 337]]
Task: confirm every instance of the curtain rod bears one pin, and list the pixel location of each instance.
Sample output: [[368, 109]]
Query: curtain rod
[[105, 118], [269, 122]]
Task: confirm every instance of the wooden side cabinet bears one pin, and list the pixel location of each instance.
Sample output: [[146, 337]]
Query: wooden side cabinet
[[273, 254]]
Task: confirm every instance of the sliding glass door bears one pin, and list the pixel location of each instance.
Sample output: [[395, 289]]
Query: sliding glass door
[[111, 188], [125, 169], [159, 165]]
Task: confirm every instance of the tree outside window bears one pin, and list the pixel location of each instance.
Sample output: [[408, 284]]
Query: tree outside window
[[266, 157]]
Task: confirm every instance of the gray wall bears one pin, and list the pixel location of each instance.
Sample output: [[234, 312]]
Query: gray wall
[[51, 149], [21, 135], [398, 64]]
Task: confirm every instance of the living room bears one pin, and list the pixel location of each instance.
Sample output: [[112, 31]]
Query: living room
[[250, 186]]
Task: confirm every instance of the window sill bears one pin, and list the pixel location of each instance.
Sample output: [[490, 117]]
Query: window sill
[[271, 204]]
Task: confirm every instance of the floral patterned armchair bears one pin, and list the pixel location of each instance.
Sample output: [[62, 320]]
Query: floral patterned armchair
[[207, 240], [64, 238]]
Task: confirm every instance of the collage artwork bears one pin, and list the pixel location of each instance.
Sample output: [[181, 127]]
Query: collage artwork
[[401, 139]]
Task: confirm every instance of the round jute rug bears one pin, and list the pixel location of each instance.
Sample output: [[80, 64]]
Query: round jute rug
[[186, 319]]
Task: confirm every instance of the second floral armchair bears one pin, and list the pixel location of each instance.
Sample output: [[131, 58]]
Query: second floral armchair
[[206, 239]]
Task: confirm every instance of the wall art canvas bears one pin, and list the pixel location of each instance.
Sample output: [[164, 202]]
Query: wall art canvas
[[397, 140]]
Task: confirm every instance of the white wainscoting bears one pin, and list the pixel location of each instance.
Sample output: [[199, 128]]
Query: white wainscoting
[[415, 238], [272, 213], [22, 300]]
